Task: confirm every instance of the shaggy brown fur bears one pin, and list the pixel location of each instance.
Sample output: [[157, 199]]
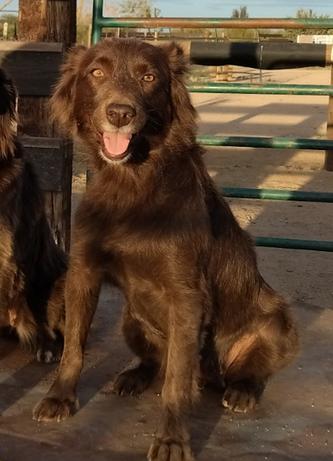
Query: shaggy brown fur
[[31, 266], [153, 224]]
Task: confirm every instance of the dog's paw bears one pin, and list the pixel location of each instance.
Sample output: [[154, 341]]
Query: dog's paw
[[54, 409], [169, 450], [49, 351], [47, 355], [242, 397], [133, 381]]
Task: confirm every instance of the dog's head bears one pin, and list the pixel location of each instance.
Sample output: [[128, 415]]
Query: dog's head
[[7, 115], [124, 96]]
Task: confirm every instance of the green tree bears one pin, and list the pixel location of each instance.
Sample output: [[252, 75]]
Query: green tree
[[304, 13], [139, 9], [241, 34], [240, 13]]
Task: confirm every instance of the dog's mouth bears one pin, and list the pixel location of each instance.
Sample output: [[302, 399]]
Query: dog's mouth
[[116, 144]]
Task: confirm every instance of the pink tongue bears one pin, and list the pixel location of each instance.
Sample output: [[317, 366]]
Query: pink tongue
[[116, 143]]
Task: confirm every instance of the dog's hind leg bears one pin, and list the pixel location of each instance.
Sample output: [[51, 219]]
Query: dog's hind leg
[[246, 368], [134, 380], [257, 353]]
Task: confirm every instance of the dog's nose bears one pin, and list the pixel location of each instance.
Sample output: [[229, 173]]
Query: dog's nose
[[120, 114]]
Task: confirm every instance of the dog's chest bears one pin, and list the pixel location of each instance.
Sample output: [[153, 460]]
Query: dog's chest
[[142, 275], [125, 253]]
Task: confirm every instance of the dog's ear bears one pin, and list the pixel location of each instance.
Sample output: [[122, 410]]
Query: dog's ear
[[7, 95], [182, 107], [7, 115], [62, 100], [177, 61]]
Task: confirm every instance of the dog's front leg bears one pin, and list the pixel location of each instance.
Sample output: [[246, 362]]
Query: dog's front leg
[[172, 441], [81, 297]]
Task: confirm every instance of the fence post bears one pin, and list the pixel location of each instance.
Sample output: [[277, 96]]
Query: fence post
[[5, 31], [329, 153], [48, 21]]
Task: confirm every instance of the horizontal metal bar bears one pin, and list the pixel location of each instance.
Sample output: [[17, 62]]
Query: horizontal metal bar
[[278, 194], [266, 142], [296, 244], [214, 23], [268, 88], [263, 55]]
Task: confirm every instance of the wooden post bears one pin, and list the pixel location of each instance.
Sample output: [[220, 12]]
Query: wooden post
[[32, 20], [48, 21], [329, 153]]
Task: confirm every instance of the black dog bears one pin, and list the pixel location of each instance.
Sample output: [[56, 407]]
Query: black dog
[[32, 267], [153, 224]]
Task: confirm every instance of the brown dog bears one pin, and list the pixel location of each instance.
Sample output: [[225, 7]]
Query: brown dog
[[32, 267], [153, 224]]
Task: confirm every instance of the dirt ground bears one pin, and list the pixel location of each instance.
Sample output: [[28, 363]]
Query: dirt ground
[[295, 418]]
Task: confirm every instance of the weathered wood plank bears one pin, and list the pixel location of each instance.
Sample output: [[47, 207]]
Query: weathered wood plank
[[34, 68], [32, 110], [51, 158]]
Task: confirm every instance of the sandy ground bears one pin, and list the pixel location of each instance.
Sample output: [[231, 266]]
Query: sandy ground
[[294, 420]]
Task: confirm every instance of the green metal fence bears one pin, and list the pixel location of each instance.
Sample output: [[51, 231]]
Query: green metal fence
[[308, 57]]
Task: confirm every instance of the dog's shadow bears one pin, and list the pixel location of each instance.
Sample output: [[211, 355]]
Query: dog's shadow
[[19, 372], [21, 448]]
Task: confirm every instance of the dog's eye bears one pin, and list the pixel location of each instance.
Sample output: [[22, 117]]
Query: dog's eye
[[97, 73], [148, 78]]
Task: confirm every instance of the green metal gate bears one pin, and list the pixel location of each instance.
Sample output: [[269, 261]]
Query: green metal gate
[[313, 55]]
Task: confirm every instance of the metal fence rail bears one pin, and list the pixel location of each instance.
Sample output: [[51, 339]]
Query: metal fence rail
[[294, 244], [255, 56], [100, 22], [278, 194], [266, 142], [267, 88]]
